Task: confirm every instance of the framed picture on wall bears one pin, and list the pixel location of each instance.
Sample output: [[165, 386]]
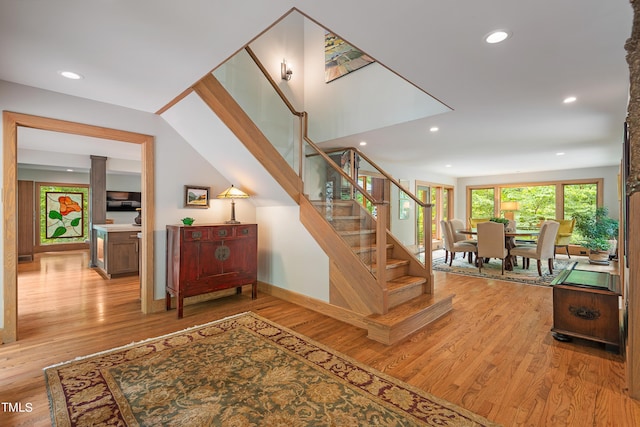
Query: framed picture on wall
[[196, 196]]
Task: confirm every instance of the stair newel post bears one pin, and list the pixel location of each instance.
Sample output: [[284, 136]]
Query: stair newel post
[[382, 210], [428, 238]]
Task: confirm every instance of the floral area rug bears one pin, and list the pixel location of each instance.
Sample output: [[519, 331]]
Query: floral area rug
[[240, 371], [493, 269]]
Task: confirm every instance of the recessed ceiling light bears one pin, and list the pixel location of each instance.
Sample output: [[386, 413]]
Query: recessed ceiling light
[[497, 36], [560, 154], [69, 170], [363, 143], [70, 75], [434, 129], [447, 166], [570, 99]]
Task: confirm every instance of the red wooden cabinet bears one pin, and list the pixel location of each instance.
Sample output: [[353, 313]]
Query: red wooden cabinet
[[208, 258]]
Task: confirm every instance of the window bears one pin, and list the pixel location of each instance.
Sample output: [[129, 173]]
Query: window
[[63, 214], [441, 197], [529, 203]]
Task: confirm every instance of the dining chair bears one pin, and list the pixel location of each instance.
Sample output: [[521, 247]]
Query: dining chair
[[565, 231], [451, 247], [458, 224], [544, 248], [473, 222], [491, 243]]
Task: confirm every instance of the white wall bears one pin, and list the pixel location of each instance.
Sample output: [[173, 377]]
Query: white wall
[[289, 257], [370, 98]]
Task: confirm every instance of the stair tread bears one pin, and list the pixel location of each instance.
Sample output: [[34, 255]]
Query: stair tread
[[393, 263], [403, 281], [355, 232], [404, 311]]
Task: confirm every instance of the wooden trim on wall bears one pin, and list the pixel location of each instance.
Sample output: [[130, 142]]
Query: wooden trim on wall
[[10, 122]]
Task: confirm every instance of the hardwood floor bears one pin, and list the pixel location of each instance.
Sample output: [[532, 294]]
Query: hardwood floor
[[493, 354]]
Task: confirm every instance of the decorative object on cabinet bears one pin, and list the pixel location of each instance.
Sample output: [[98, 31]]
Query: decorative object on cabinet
[[208, 258], [138, 219], [233, 193], [196, 196], [187, 220]]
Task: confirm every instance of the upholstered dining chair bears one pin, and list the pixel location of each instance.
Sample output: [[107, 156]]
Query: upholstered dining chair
[[451, 246], [458, 224], [473, 222], [491, 243], [544, 248], [563, 238]]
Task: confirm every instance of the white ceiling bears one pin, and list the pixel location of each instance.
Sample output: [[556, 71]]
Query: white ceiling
[[507, 116]]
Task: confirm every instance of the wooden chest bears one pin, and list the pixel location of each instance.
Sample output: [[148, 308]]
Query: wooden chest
[[208, 258], [586, 305]]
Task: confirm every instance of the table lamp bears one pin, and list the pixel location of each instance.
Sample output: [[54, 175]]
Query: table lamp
[[509, 208], [233, 193]]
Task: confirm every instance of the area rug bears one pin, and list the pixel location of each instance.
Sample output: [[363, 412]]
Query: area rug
[[240, 371], [493, 269]]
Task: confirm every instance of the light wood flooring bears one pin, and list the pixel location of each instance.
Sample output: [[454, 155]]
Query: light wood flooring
[[493, 354]]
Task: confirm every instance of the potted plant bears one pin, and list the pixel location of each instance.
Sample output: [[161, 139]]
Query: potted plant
[[597, 231], [503, 221]]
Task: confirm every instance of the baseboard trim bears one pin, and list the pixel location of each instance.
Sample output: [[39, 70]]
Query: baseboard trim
[[316, 305]]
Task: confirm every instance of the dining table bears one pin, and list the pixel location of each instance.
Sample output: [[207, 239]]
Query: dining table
[[509, 241]]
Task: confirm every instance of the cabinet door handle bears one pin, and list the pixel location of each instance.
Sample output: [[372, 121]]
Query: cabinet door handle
[[584, 312], [196, 235], [222, 232]]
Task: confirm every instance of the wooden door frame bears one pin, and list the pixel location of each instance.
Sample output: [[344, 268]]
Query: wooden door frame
[[11, 121]]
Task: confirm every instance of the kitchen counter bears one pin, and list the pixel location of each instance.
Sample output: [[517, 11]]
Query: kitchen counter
[[117, 249]]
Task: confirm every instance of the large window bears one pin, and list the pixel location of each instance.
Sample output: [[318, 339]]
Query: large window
[[530, 203]]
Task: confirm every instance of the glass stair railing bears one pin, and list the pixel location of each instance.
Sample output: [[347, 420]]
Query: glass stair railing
[[350, 191]]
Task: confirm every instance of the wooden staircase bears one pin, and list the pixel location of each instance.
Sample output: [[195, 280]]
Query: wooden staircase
[[410, 302], [389, 309]]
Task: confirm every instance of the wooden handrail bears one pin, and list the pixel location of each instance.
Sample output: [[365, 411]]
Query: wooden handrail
[[383, 173], [273, 83]]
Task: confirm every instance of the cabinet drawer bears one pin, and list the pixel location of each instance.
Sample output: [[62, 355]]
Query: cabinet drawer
[[192, 234], [246, 230], [122, 236]]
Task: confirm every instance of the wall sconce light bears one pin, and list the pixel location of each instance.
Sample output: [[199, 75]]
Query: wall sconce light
[[285, 71], [233, 193]]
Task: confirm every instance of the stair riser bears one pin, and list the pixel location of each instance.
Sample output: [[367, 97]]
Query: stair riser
[[394, 273], [405, 294], [360, 240], [369, 256], [347, 224]]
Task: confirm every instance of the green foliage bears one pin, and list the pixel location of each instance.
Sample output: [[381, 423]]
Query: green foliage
[[482, 202], [504, 221], [596, 228]]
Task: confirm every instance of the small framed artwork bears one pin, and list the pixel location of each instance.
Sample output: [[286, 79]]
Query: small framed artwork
[[196, 196]]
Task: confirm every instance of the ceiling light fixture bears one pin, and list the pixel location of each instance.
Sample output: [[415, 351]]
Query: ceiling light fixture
[[70, 75], [434, 129], [447, 166], [363, 143], [497, 36], [570, 99], [560, 154]]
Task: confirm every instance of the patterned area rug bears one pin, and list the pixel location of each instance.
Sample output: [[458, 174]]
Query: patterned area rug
[[493, 269], [239, 371]]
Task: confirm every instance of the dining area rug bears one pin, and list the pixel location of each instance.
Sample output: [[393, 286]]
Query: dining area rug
[[243, 370], [493, 268]]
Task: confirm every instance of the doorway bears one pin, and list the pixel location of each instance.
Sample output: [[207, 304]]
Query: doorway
[[11, 123]]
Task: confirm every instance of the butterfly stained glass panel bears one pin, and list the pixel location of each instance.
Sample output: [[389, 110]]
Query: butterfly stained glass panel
[[64, 215]]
